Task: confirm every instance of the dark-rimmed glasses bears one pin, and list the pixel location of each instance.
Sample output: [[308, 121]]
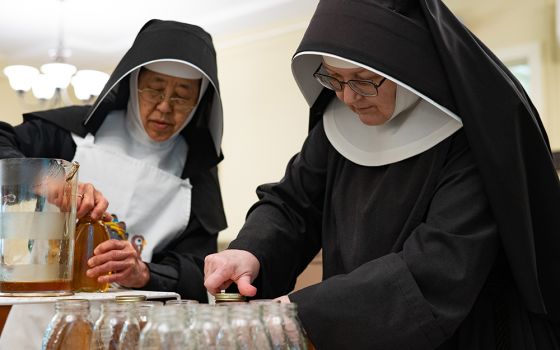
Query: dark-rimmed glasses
[[155, 96], [362, 87]]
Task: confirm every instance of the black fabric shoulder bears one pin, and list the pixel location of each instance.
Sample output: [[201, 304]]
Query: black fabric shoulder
[[68, 118], [207, 203], [38, 138]]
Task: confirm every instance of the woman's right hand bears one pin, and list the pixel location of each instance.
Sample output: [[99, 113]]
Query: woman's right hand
[[231, 266], [91, 201]]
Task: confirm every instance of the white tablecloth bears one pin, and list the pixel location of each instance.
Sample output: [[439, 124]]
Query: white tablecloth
[[108, 295]]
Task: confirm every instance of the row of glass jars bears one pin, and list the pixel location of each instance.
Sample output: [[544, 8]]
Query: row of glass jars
[[179, 324]]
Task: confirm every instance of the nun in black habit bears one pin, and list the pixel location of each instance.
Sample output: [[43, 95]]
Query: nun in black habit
[[182, 224], [186, 161], [427, 182], [150, 143]]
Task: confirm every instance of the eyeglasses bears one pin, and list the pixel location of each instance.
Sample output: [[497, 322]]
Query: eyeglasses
[[178, 104], [362, 87]]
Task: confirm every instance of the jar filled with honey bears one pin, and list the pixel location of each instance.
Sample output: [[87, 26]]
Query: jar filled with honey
[[89, 234], [70, 327]]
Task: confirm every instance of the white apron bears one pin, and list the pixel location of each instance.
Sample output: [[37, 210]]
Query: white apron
[[154, 204]]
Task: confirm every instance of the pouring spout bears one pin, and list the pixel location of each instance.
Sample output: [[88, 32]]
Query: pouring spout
[[73, 171]]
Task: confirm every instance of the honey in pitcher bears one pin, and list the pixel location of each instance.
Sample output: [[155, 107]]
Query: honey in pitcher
[[36, 254], [32, 287], [89, 234]]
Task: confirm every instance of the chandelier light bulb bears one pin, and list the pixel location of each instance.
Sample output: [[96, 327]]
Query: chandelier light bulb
[[21, 77], [43, 88], [59, 73], [52, 80], [88, 83]]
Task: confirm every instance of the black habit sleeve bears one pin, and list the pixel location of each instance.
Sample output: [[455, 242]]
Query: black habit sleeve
[[179, 267], [35, 138], [415, 296]]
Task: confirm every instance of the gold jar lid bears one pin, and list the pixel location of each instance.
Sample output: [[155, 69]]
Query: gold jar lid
[[132, 298], [229, 297]]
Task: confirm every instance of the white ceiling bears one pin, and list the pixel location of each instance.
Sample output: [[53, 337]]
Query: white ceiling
[[99, 32]]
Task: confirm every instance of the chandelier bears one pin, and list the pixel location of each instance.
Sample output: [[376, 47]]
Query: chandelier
[[50, 84]]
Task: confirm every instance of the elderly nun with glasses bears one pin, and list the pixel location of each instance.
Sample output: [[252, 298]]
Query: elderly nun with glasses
[[426, 183], [150, 143]]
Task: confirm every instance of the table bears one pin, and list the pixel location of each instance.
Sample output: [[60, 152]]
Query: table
[[7, 302], [108, 295]]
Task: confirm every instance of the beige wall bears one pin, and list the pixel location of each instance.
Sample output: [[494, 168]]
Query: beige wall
[[265, 115], [512, 24]]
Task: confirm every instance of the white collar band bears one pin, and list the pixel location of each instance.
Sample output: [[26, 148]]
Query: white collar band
[[416, 126], [174, 69], [338, 63]]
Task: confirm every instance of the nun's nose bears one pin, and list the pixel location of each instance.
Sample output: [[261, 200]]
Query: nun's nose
[[164, 106], [349, 95]]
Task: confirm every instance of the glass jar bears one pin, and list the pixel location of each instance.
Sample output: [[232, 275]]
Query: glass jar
[[70, 327], [167, 328], [209, 328], [293, 330], [187, 309], [273, 320], [89, 234], [143, 310], [116, 328], [247, 328], [149, 336]]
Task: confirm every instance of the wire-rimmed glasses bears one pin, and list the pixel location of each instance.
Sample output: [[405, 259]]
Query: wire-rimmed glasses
[[366, 88], [155, 96]]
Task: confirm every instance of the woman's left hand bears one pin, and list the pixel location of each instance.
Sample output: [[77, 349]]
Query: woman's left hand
[[91, 201], [122, 261]]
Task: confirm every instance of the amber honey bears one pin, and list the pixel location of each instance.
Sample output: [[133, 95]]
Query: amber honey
[[89, 234], [69, 329], [32, 287], [76, 336]]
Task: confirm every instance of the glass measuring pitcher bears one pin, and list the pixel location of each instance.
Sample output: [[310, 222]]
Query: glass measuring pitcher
[[37, 224]]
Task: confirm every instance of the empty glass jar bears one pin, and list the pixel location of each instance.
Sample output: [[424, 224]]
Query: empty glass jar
[[144, 310], [246, 326], [166, 329], [294, 332]]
